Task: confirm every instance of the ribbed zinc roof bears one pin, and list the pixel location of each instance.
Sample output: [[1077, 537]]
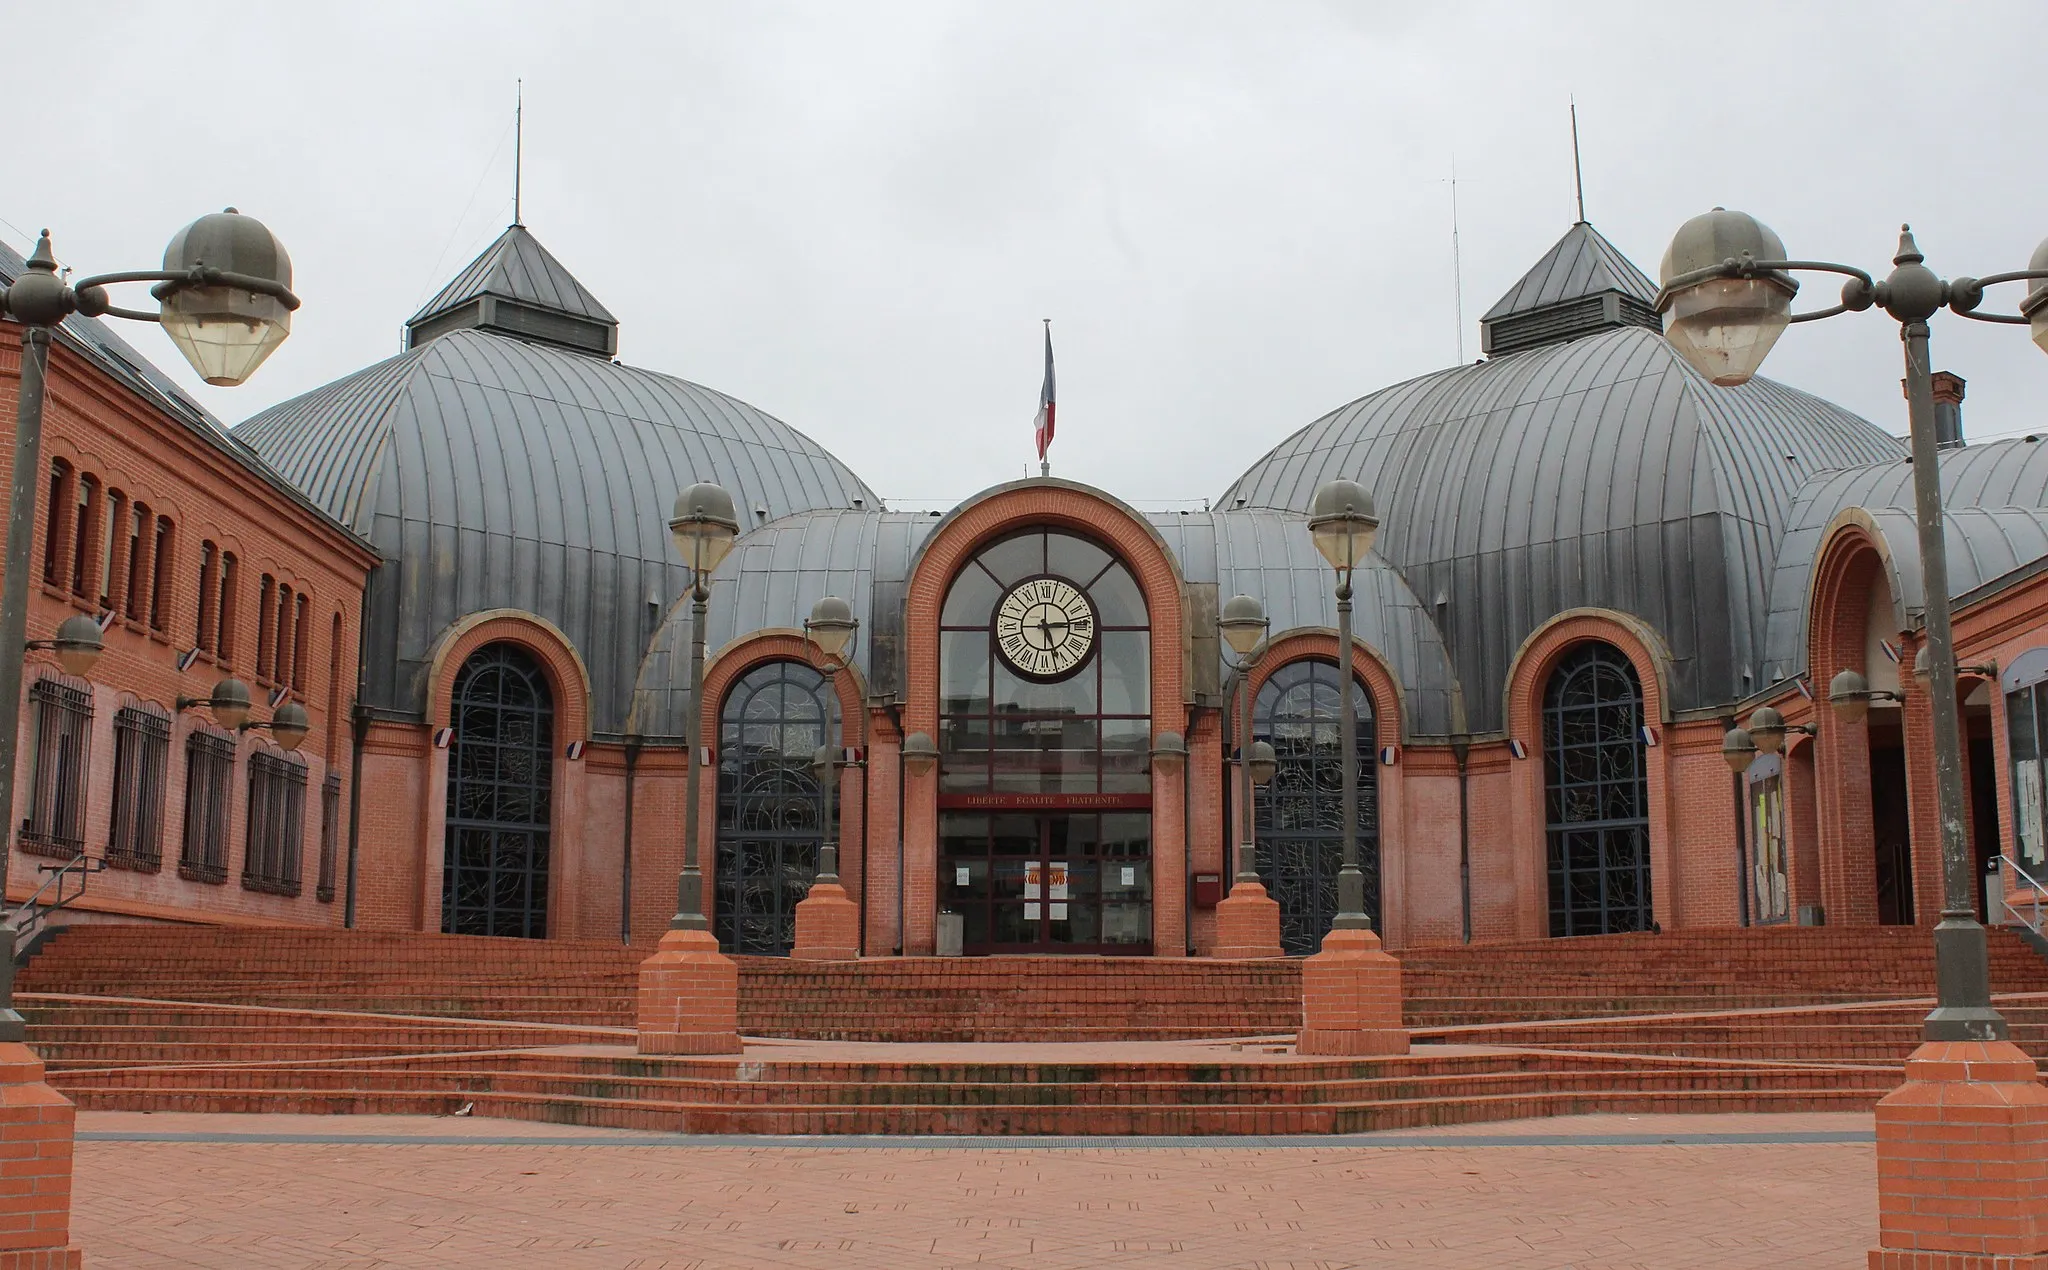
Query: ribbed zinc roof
[[1601, 472], [495, 473], [1995, 505]]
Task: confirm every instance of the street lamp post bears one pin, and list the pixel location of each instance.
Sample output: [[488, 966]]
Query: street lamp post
[[704, 528], [827, 921], [224, 297], [1248, 920], [1726, 297], [1342, 522], [225, 300]]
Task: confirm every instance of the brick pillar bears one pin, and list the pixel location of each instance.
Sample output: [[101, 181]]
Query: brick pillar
[[35, 1142], [827, 925], [689, 997], [1247, 923], [1351, 998], [1962, 1162]]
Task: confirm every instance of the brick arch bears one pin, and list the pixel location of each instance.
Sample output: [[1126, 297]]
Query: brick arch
[[1389, 706], [730, 664], [1528, 676], [1035, 504], [567, 677]]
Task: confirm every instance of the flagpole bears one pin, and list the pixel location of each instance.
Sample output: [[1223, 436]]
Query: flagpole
[[1046, 408]]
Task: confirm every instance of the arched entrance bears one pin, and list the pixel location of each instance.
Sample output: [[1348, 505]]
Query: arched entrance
[[1300, 821], [1596, 794], [500, 787], [770, 807], [1045, 795]]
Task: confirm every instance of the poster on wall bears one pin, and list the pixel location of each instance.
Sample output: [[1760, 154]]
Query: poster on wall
[[2026, 798]]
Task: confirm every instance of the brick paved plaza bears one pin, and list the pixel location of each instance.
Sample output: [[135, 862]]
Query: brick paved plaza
[[1589, 1192]]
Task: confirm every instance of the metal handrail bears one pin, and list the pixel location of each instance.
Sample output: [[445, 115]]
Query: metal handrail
[[33, 914], [2039, 917]]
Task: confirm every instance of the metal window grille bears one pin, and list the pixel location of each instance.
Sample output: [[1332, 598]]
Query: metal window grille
[[277, 824], [142, 758], [330, 834], [209, 776], [1300, 814], [500, 787], [1597, 794], [55, 824], [769, 805]]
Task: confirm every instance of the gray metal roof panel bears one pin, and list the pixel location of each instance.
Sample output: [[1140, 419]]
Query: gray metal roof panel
[[1580, 264], [516, 267], [1572, 475]]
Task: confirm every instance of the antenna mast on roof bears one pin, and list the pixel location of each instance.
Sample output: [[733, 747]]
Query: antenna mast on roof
[[518, 143], [1457, 264], [1578, 181]]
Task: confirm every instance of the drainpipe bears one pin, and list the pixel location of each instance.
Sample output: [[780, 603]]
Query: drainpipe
[[895, 710], [626, 855], [860, 942], [358, 729], [1741, 836], [1461, 749]]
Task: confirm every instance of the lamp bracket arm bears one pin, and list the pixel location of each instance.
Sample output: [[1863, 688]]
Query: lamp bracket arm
[[1857, 294], [1965, 294], [171, 280]]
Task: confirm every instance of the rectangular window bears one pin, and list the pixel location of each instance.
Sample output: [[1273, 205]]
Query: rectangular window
[[230, 606], [160, 571], [277, 824], [140, 530], [113, 530], [330, 834], [53, 524], [142, 757], [209, 776], [266, 632], [55, 824], [209, 597], [281, 670], [83, 549]]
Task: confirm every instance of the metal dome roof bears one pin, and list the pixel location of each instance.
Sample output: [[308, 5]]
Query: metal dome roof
[[1601, 472], [498, 473], [1995, 515]]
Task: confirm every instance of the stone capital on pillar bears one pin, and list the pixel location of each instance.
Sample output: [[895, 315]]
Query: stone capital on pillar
[[827, 925], [689, 998], [1247, 923], [1351, 998], [1962, 1162], [36, 1126]]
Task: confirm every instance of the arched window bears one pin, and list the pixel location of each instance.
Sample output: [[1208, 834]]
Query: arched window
[[1300, 821], [769, 804], [500, 778], [1597, 794]]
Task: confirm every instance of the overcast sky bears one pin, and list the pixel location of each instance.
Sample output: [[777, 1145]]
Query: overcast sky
[[853, 216]]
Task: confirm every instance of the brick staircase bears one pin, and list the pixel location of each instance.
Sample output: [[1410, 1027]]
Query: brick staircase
[[1004, 999]]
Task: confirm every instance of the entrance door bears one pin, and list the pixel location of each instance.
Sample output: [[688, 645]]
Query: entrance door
[[1891, 829], [1063, 882]]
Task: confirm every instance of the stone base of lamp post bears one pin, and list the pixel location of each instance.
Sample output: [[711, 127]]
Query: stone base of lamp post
[[36, 1124], [689, 997], [1962, 1162], [1247, 923], [1351, 998], [827, 925]]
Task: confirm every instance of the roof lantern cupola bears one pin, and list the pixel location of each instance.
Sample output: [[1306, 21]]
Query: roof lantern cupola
[[1582, 286], [518, 288]]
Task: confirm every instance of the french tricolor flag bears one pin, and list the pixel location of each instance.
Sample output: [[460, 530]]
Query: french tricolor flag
[[1045, 398]]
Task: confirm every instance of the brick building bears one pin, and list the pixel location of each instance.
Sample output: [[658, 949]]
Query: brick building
[[1591, 564], [201, 564]]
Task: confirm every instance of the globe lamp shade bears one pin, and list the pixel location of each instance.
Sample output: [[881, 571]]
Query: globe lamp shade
[[704, 526], [2036, 304], [1264, 763], [1243, 623], [225, 331], [1169, 752], [920, 756], [1342, 522], [1724, 327], [831, 625], [289, 725], [78, 645], [1767, 729], [1849, 694], [1738, 750], [230, 703]]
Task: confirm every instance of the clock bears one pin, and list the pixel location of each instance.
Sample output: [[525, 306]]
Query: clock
[[1045, 628]]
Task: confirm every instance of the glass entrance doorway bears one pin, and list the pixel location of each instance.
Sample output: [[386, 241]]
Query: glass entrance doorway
[[1063, 882]]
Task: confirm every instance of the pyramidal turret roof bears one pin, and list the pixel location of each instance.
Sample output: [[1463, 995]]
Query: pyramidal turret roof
[[1583, 284], [518, 288]]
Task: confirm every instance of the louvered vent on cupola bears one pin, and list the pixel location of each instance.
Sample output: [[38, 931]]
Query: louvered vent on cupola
[[1582, 286], [518, 288]]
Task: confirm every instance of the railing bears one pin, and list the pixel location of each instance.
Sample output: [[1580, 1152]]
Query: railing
[[2037, 901], [65, 883]]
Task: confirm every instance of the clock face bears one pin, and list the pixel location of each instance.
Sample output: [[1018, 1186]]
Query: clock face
[[1045, 628]]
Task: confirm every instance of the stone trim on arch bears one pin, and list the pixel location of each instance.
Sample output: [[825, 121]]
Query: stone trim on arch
[[1528, 675], [729, 664], [1836, 561], [567, 675], [1389, 703]]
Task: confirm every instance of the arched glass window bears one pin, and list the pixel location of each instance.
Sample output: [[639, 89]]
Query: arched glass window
[[500, 778], [1597, 794], [769, 805], [1300, 820]]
